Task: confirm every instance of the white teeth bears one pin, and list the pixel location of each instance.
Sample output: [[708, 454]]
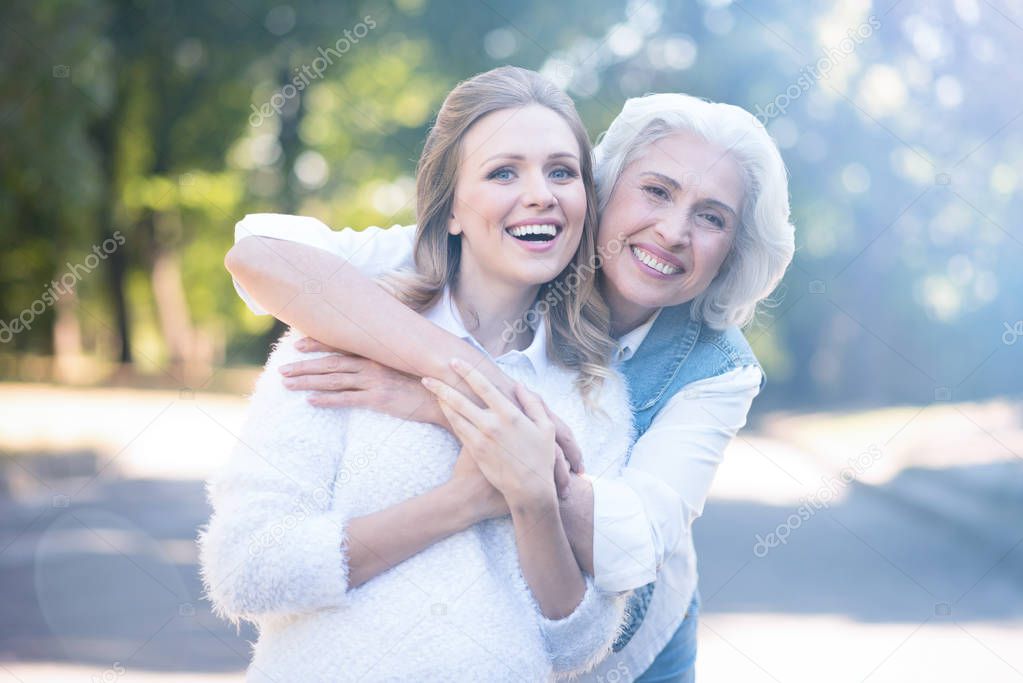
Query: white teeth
[[522, 230], [654, 262]]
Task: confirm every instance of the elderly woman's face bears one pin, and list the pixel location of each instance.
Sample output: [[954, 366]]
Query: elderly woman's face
[[668, 226]]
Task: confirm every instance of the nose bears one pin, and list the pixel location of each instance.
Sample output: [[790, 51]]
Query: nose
[[537, 192], [674, 229]]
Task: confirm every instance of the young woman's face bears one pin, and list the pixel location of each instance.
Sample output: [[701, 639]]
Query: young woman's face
[[668, 225], [519, 202]]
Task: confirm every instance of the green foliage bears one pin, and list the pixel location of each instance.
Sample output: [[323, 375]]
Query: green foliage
[[144, 118]]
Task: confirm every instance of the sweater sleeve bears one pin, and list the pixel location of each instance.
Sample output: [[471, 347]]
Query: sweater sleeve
[[274, 545], [584, 638]]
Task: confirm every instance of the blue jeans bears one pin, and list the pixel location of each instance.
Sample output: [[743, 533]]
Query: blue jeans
[[677, 661]]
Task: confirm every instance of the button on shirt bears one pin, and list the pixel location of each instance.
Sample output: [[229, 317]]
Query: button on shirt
[[643, 517]]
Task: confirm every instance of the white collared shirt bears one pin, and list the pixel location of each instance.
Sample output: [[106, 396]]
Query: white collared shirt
[[642, 518], [444, 314]]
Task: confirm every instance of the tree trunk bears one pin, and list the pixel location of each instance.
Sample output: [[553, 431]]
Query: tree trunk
[[103, 133], [67, 339]]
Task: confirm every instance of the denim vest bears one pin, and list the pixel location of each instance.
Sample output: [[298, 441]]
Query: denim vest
[[675, 353]]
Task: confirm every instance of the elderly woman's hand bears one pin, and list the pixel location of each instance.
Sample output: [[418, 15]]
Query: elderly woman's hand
[[514, 448], [341, 380]]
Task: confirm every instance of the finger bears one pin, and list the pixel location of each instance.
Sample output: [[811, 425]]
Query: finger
[[562, 477], [463, 430], [574, 457], [320, 366], [533, 407], [566, 439], [310, 345], [340, 399], [457, 401], [338, 381], [484, 388]]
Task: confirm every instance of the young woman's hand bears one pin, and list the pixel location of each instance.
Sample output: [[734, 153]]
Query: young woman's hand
[[514, 448], [485, 500], [345, 381]]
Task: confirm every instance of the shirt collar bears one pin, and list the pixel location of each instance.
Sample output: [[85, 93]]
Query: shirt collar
[[629, 342], [444, 314]]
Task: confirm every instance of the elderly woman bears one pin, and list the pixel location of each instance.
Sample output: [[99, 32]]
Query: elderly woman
[[694, 233]]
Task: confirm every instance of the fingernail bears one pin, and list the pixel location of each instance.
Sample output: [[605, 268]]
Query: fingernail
[[285, 369], [459, 364], [429, 383]]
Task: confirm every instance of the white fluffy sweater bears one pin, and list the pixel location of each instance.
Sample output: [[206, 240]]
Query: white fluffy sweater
[[274, 551]]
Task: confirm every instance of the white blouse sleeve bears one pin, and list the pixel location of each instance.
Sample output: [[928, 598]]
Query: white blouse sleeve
[[273, 544], [640, 517], [373, 250]]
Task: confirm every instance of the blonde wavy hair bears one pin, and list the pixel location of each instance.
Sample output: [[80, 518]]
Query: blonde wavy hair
[[578, 325]]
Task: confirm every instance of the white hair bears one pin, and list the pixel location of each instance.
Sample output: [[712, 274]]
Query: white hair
[[765, 239]]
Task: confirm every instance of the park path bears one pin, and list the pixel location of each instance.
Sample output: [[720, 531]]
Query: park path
[[914, 571]]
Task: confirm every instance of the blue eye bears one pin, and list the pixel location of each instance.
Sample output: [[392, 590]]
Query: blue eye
[[503, 173], [657, 191], [714, 219], [564, 173]]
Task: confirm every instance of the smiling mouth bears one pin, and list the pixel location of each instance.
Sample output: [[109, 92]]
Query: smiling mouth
[[534, 233], [648, 259]]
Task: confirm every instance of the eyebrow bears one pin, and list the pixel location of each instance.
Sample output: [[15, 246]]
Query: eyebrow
[[676, 187], [667, 180], [521, 157], [721, 205]]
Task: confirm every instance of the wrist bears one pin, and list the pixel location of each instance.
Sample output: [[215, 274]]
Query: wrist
[[578, 494], [461, 503], [534, 500]]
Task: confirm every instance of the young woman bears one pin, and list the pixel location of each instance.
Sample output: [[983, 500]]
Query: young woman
[[317, 506], [694, 232]]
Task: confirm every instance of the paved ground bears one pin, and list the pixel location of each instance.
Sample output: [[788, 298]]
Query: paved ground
[[912, 572]]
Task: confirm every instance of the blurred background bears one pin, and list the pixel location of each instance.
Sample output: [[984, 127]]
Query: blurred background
[[867, 525]]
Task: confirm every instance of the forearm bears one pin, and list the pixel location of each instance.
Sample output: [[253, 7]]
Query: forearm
[[576, 505], [546, 558], [385, 539], [332, 301], [576, 643]]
